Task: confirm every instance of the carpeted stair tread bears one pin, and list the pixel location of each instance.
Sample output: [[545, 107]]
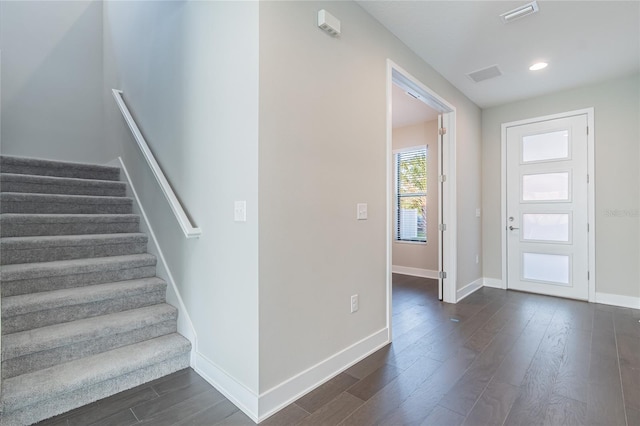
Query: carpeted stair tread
[[13, 182], [26, 278], [33, 166], [59, 335], [34, 302], [31, 249], [48, 384], [75, 266], [17, 202], [28, 224]]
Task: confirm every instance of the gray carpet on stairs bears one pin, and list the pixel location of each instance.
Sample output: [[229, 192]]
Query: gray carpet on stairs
[[11, 182], [28, 225], [24, 312], [83, 314], [40, 167], [65, 247], [18, 202]]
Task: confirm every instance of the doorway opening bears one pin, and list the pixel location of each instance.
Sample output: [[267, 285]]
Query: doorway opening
[[416, 238], [436, 225]]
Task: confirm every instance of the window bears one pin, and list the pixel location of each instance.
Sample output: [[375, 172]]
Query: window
[[411, 194]]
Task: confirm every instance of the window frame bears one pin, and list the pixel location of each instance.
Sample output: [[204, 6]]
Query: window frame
[[397, 195]]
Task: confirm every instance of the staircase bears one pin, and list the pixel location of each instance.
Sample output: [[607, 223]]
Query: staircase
[[83, 314]]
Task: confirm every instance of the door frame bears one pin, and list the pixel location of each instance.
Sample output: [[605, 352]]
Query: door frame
[[591, 211], [446, 165]]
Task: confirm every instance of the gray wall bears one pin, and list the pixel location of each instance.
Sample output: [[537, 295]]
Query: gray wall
[[617, 136], [189, 72], [322, 150], [418, 255], [52, 80]]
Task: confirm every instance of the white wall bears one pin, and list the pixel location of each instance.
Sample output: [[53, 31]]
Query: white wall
[[419, 255], [189, 72], [52, 80], [617, 136], [322, 150]]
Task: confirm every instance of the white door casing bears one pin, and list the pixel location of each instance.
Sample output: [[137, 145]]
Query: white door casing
[[547, 206]]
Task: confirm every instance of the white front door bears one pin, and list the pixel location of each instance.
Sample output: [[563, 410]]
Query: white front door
[[547, 207]]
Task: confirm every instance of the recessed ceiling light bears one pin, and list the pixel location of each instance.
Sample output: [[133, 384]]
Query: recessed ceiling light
[[538, 66]]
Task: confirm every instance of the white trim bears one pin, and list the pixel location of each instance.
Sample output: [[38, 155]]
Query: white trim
[[591, 197], [278, 397], [618, 300], [242, 397], [411, 148], [185, 224], [185, 326], [493, 283], [469, 288], [503, 201], [420, 243], [589, 112], [450, 208], [414, 272], [390, 193]]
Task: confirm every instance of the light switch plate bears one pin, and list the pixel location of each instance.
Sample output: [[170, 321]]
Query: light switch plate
[[361, 211], [240, 211], [477, 211]]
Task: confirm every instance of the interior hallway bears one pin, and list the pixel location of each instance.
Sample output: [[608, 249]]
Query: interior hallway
[[497, 357]]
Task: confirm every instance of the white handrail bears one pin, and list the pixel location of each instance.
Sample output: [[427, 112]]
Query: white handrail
[[189, 230]]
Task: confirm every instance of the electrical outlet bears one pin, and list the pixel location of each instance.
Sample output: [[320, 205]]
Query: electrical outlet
[[477, 211], [354, 303]]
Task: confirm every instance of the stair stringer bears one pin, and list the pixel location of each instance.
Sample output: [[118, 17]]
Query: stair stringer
[[173, 297]]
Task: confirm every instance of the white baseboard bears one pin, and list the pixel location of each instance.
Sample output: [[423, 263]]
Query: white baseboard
[[493, 283], [468, 289], [185, 326], [414, 272], [618, 300], [285, 393], [604, 298], [243, 398]]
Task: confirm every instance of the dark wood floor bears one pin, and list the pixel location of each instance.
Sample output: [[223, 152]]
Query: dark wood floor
[[496, 358]]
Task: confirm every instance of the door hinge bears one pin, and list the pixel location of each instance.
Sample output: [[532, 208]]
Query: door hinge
[[442, 131], [587, 129], [587, 227], [442, 227], [587, 178], [588, 275], [442, 178], [442, 275]]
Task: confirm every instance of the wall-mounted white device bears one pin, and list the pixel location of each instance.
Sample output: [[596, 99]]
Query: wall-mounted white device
[[328, 23]]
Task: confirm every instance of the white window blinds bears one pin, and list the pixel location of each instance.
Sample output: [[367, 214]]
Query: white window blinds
[[411, 194]]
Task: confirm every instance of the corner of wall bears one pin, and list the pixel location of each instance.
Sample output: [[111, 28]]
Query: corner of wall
[[185, 326]]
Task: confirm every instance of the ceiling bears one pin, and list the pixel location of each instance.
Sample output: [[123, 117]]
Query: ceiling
[[584, 42], [407, 110]]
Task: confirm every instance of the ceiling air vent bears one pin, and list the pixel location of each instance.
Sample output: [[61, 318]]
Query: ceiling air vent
[[519, 12], [485, 74]]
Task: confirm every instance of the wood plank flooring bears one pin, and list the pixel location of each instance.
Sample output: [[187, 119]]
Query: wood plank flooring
[[496, 358]]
